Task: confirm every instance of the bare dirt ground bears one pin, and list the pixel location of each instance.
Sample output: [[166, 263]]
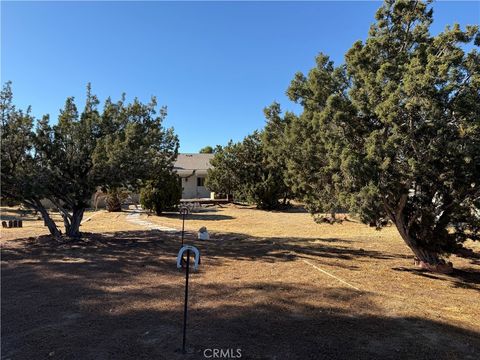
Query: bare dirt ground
[[273, 284]]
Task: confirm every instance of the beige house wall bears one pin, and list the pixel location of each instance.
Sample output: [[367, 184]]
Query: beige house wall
[[190, 189]]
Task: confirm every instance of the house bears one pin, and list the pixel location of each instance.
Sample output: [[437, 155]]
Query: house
[[192, 169]]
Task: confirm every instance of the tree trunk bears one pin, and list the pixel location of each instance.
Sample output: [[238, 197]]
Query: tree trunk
[[52, 227], [72, 227], [426, 259]]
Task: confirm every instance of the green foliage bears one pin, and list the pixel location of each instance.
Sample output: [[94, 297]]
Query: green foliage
[[65, 163], [258, 182], [222, 178], [22, 176], [65, 158], [17, 145], [315, 144], [395, 133], [246, 171], [275, 149], [134, 146], [161, 194], [207, 150]]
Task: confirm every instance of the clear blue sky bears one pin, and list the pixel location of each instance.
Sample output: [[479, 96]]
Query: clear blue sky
[[216, 65]]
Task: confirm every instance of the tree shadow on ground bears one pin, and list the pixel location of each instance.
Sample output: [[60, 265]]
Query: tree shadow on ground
[[198, 216], [147, 248], [115, 251], [289, 209], [245, 247], [71, 310], [459, 278]]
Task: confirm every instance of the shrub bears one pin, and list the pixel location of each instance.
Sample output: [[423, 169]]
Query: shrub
[[161, 194]]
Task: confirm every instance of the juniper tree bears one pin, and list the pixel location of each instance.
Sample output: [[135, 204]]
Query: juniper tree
[[314, 143], [260, 181], [21, 175], [161, 194], [134, 146], [206, 150], [406, 130], [66, 162], [64, 156], [243, 169], [222, 177], [275, 149]]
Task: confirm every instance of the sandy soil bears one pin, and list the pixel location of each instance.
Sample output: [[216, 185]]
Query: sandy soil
[[273, 284]]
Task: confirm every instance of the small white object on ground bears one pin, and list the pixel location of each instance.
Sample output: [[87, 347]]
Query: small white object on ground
[[203, 234]]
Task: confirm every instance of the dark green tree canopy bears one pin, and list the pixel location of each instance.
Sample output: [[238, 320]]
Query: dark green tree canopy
[[222, 179], [122, 146], [206, 150], [315, 144], [246, 171], [395, 132], [161, 194]]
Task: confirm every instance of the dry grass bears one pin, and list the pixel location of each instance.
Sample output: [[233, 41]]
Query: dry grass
[[256, 223], [93, 221], [374, 261], [263, 287]]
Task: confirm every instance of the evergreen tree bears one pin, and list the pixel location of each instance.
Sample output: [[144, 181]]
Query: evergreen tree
[[244, 170], [395, 133], [22, 176], [207, 150], [65, 157], [163, 193], [275, 147], [65, 163], [314, 165], [222, 178], [134, 146]]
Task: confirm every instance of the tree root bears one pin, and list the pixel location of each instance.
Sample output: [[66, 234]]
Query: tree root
[[441, 267]]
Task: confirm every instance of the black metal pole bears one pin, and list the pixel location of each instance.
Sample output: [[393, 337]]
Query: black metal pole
[[186, 303], [183, 225]]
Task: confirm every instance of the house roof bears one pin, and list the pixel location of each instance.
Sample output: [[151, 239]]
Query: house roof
[[193, 162]]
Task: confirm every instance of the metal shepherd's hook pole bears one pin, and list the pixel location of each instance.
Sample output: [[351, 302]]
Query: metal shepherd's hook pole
[[184, 212], [189, 249], [186, 303], [183, 225]]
